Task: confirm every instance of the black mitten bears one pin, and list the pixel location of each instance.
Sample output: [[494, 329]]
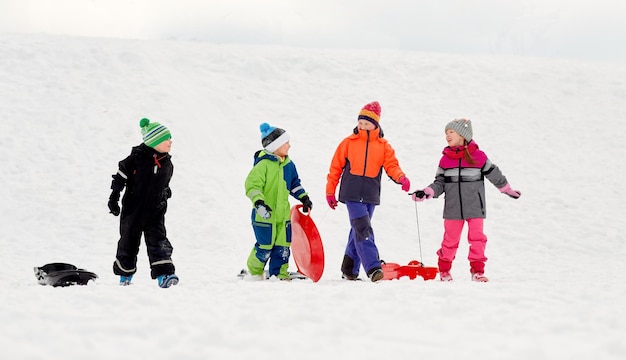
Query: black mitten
[[307, 205], [114, 207]]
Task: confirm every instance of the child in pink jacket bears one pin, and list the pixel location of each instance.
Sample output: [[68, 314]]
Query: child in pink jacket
[[460, 176]]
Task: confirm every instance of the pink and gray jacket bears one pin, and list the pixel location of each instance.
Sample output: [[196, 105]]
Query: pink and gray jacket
[[463, 182]]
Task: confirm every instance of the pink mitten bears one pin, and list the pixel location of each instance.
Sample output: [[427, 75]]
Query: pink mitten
[[506, 189], [421, 195], [406, 184], [332, 201]]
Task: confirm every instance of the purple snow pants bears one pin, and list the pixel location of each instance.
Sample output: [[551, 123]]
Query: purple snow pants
[[361, 248]]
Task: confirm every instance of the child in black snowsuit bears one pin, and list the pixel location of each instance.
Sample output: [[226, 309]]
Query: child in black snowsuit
[[146, 174]]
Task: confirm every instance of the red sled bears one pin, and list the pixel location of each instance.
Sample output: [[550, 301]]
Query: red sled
[[306, 245], [412, 270]]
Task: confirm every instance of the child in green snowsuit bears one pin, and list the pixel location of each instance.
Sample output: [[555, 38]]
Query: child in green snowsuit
[[270, 182]]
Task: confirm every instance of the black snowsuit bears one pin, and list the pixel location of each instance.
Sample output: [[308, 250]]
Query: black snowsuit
[[146, 175]]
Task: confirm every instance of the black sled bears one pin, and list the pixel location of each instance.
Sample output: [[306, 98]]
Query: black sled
[[62, 274]]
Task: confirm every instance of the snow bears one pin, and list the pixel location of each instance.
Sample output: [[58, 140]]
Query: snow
[[69, 110]]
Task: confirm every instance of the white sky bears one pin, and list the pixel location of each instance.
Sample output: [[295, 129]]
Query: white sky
[[554, 28]]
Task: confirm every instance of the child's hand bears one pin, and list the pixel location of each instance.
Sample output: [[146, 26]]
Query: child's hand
[[332, 201], [421, 195], [406, 184], [114, 207], [262, 209], [307, 205], [506, 189]]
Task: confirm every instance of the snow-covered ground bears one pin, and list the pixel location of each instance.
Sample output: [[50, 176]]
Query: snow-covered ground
[[69, 111]]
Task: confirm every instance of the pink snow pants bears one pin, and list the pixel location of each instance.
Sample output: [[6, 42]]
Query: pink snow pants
[[452, 236]]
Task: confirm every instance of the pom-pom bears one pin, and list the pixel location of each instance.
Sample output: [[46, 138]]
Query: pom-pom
[[264, 127], [144, 122]]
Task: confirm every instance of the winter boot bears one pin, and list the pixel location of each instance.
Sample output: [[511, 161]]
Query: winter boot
[[168, 280], [445, 276], [125, 280], [376, 275], [350, 277], [250, 277], [479, 277]]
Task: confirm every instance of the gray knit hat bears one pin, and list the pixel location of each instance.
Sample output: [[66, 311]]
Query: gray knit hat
[[463, 127]]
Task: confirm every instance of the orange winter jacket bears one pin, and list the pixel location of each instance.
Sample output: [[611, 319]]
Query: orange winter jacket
[[358, 162]]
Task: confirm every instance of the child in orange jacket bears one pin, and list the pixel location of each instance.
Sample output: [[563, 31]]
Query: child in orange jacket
[[359, 162]]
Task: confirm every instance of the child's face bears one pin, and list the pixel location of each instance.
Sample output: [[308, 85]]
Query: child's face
[[283, 150], [366, 125], [454, 139], [164, 147]]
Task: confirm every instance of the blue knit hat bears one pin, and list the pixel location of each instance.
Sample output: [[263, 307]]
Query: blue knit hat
[[272, 137]]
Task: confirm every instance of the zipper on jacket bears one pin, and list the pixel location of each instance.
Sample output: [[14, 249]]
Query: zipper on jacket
[[367, 145], [460, 195], [157, 164]]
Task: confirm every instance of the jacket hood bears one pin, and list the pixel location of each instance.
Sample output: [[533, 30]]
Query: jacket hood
[[263, 155]]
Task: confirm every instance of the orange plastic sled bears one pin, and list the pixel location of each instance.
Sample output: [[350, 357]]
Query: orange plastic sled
[[412, 270], [306, 244]]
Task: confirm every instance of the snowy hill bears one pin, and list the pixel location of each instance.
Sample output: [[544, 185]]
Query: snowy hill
[[69, 111]]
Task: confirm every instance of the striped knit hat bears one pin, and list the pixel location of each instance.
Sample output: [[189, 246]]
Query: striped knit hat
[[272, 137], [153, 133], [371, 113], [462, 127]]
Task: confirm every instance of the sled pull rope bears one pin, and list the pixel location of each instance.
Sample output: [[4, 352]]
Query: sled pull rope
[[324, 216], [419, 238]]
